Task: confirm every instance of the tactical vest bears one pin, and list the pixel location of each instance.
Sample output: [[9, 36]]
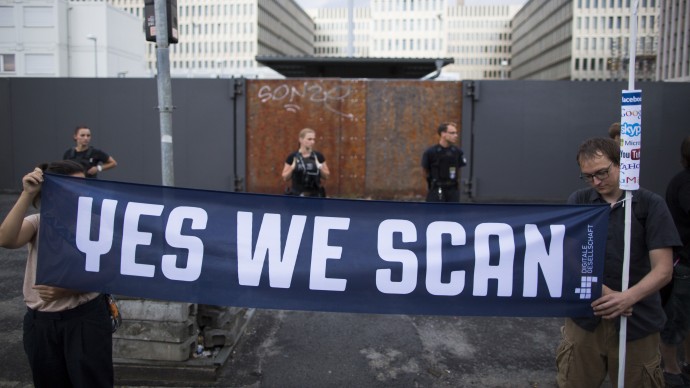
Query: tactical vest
[[84, 159], [443, 166], [307, 172]]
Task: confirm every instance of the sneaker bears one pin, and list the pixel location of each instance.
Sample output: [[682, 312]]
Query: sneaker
[[674, 380]]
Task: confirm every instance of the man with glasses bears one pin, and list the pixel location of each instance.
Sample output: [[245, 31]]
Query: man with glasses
[[441, 163], [589, 348]]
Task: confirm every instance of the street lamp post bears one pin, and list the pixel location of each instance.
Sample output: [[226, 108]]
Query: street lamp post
[[95, 53], [440, 29]]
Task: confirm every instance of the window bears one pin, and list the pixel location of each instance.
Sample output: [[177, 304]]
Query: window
[[6, 16], [7, 63], [40, 63], [38, 16]]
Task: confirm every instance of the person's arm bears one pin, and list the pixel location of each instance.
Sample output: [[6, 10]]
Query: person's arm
[[288, 169], [14, 231], [325, 172], [684, 199], [50, 293], [425, 167], [110, 163], [462, 162], [613, 303]]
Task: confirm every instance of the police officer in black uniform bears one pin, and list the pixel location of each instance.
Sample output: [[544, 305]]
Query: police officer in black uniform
[[305, 168], [441, 163]]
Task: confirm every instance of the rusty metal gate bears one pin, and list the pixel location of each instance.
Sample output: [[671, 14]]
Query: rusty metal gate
[[372, 132]]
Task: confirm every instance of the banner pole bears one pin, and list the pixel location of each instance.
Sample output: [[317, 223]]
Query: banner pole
[[627, 204]]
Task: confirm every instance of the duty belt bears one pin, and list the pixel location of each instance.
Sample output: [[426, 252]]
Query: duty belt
[[445, 183]]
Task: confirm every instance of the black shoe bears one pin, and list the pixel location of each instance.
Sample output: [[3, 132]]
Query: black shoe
[[674, 380], [685, 370]]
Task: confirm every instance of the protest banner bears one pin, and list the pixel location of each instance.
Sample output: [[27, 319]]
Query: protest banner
[[295, 253]]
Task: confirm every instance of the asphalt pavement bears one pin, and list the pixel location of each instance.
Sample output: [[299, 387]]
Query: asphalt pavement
[[312, 349]]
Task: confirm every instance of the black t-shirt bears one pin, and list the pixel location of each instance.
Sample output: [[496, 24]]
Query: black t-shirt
[[678, 201], [443, 164], [88, 158], [651, 228]]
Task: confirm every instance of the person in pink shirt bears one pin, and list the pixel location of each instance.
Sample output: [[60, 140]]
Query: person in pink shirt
[[67, 333]]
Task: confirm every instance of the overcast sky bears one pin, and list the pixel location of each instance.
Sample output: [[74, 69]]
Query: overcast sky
[[358, 3]]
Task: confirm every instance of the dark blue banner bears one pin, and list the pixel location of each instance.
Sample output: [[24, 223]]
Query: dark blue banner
[[283, 252]]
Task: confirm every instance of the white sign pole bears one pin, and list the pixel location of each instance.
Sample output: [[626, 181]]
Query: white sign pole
[[631, 145]]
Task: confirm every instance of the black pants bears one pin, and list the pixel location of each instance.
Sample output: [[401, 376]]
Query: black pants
[[446, 194], [72, 348]]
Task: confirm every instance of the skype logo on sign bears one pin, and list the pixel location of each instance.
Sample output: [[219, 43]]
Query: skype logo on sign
[[631, 130]]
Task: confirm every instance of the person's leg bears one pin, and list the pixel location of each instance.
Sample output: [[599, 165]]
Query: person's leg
[[452, 194], [642, 363], [43, 349], [89, 345], [433, 195], [686, 357], [677, 325], [670, 335], [669, 353], [579, 359]]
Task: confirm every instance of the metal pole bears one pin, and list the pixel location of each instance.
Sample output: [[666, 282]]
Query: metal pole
[[95, 57], [622, 337], [350, 28], [165, 105], [95, 54]]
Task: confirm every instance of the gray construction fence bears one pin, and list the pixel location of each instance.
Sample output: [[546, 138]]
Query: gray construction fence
[[520, 137]]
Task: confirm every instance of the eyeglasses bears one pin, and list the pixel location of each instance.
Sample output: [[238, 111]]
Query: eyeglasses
[[601, 175]]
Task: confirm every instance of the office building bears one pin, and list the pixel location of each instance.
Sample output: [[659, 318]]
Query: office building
[[476, 37], [673, 62], [69, 39], [479, 40], [220, 38], [584, 40]]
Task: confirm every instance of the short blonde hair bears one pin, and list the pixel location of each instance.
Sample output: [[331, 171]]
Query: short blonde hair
[[304, 132]]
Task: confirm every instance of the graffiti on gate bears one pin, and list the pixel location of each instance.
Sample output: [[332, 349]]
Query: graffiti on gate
[[293, 97]]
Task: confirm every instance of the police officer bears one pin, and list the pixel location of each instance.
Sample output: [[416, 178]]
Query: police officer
[[441, 163], [306, 168], [93, 159]]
